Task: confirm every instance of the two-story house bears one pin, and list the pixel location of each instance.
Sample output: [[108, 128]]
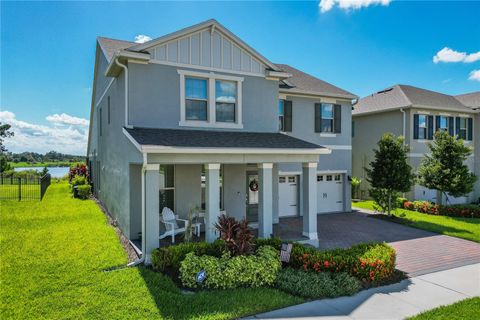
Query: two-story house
[[198, 118], [416, 114]]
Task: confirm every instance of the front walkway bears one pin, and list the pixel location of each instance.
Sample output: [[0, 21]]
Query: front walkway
[[397, 301]]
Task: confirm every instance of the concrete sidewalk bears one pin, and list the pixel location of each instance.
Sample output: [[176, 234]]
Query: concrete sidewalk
[[397, 301]]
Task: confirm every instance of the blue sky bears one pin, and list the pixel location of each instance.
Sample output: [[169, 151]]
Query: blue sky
[[47, 50]]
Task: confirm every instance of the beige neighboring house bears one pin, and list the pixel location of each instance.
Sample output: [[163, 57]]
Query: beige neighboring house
[[416, 114]]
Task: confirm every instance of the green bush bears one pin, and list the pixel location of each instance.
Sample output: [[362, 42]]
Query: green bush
[[370, 263], [83, 191], [272, 242], [79, 181], [400, 202], [316, 285], [168, 259], [227, 272]]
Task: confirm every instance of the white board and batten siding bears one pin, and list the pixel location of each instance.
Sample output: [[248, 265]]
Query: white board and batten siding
[[210, 50]]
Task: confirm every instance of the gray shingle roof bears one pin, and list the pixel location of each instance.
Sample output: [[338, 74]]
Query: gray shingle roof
[[402, 96], [217, 139], [471, 100], [110, 46], [301, 82]]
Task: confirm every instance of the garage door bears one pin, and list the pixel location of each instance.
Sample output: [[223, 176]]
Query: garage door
[[329, 193], [288, 196]]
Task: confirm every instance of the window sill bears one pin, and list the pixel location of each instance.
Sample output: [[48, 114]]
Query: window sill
[[205, 124], [328, 135]]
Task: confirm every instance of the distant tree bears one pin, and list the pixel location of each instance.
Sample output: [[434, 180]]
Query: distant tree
[[4, 133], [355, 185], [444, 169], [389, 173]]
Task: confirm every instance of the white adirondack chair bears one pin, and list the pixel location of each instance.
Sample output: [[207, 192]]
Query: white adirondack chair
[[169, 219]]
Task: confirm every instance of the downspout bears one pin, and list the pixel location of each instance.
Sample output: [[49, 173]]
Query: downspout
[[124, 67], [144, 217], [404, 124], [403, 132]]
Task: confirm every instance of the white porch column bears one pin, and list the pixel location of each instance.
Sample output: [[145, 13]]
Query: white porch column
[[275, 193], [265, 212], [309, 181], [152, 208], [212, 199]]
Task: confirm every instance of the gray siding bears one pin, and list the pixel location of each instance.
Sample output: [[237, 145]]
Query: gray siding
[[155, 99]]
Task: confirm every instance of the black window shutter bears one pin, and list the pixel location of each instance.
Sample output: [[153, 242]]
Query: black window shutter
[[337, 118], [450, 126], [437, 123], [415, 126], [457, 126], [430, 127], [470, 129], [318, 117], [287, 105]]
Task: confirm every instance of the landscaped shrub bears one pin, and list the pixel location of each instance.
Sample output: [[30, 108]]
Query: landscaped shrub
[[79, 181], [401, 202], [370, 263], [83, 191], [168, 259], [316, 285], [226, 272], [460, 210], [236, 234], [77, 169], [408, 205], [273, 242], [425, 207]]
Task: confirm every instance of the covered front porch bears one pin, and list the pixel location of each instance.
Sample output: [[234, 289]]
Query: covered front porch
[[241, 182]]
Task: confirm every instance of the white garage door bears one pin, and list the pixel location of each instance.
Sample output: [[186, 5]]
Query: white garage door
[[329, 193], [288, 194]]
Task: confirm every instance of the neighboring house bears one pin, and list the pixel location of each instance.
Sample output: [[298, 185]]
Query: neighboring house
[[416, 114], [199, 118]]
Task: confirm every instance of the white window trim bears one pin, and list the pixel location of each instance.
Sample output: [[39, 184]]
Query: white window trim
[[211, 105]]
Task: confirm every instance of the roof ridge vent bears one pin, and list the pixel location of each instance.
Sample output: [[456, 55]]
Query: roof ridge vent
[[385, 91]]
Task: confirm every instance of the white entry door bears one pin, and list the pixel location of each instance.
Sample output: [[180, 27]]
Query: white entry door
[[329, 192], [287, 196]]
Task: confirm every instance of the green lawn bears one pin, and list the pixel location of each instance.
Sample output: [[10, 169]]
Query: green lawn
[[466, 228], [53, 257], [468, 309]]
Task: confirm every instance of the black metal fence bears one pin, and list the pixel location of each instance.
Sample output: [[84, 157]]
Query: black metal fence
[[28, 187]]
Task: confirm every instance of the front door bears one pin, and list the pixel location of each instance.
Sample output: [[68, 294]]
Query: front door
[[252, 197], [288, 195]]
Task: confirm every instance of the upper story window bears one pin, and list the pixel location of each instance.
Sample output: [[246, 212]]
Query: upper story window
[[284, 115], [225, 100], [328, 118], [210, 100], [196, 99], [422, 127]]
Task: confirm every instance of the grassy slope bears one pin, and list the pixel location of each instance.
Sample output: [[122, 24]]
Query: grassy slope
[[468, 309], [53, 254], [466, 228]]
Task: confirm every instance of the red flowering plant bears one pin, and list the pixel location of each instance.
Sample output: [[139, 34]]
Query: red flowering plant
[[79, 169], [369, 263], [408, 205]]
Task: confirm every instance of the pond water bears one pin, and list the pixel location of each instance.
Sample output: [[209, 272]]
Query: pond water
[[55, 172]]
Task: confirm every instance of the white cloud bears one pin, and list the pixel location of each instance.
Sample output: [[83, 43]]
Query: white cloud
[[141, 38], [68, 137], [474, 75], [327, 5], [449, 55], [66, 119]]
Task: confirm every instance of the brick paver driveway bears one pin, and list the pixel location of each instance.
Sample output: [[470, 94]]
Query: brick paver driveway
[[418, 251]]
